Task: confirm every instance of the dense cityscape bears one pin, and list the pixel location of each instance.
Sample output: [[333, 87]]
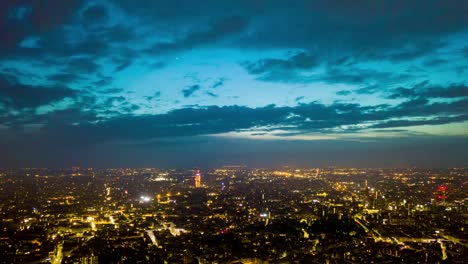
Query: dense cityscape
[[233, 214], [233, 131]]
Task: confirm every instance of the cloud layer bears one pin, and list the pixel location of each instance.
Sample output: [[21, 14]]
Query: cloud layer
[[89, 73]]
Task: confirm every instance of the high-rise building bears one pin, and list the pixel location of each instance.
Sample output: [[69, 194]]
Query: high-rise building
[[442, 193], [197, 179]]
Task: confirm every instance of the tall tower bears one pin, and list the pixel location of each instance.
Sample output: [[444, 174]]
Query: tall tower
[[442, 193], [366, 189], [197, 179]]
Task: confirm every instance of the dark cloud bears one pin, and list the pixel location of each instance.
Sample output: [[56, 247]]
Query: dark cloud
[[57, 118], [190, 90], [219, 82], [387, 84], [181, 10], [299, 98], [219, 30], [408, 52], [367, 26], [435, 62], [425, 90], [20, 19], [349, 77], [113, 101], [282, 70], [68, 38], [418, 122], [82, 65], [122, 66], [55, 45], [129, 108], [112, 91], [301, 119], [343, 92], [114, 34], [362, 24], [299, 69], [211, 94], [464, 52], [94, 14], [102, 81], [344, 61], [396, 30], [299, 61], [64, 77], [372, 80], [20, 74], [17, 95], [156, 95]]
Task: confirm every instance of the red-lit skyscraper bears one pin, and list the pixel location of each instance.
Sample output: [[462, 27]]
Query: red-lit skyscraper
[[442, 193]]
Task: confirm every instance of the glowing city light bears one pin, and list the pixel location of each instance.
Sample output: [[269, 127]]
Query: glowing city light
[[145, 198]]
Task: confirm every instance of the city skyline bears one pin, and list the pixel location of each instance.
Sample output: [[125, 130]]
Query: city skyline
[[209, 83], [233, 215]]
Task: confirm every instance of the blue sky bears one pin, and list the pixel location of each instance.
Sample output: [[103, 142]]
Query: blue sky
[[155, 80]]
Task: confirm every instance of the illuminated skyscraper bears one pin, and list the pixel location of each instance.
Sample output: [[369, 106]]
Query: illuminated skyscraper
[[442, 193], [198, 179]]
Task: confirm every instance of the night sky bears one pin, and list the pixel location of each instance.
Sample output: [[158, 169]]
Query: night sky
[[153, 83]]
